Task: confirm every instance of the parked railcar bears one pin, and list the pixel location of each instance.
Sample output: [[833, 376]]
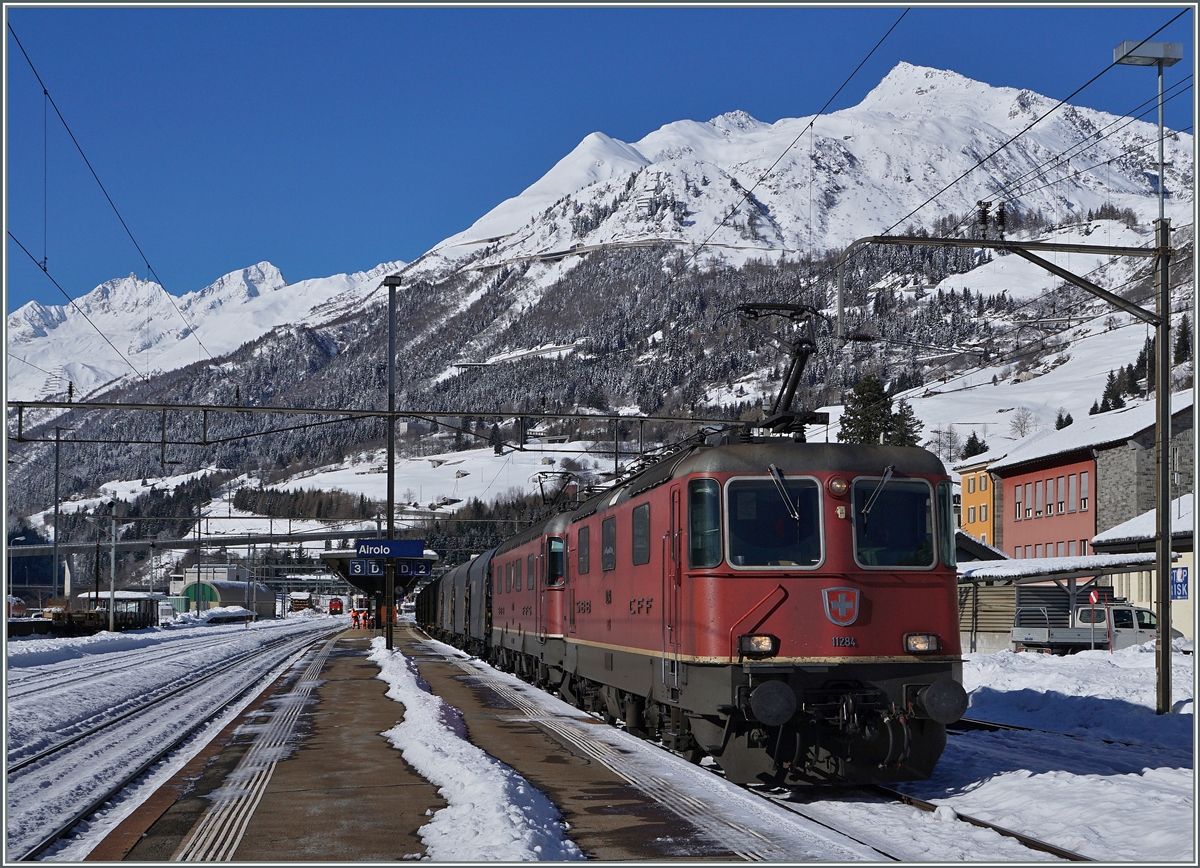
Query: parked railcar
[[787, 608]]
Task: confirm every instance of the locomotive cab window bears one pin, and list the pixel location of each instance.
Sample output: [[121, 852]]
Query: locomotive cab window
[[704, 523], [556, 562], [893, 522], [945, 522], [765, 530]]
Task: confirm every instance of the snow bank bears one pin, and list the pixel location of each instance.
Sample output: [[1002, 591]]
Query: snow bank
[[493, 814], [1092, 693]]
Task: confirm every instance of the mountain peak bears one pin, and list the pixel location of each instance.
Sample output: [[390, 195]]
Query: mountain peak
[[736, 122], [908, 88], [247, 282]]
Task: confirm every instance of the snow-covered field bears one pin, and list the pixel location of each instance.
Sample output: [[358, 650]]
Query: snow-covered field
[[1128, 798], [56, 688], [1122, 789]]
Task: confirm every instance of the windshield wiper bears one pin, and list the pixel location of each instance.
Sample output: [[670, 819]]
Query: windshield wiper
[[887, 474], [777, 478]]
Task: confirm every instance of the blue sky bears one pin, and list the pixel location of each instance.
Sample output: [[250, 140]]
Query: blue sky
[[330, 140]]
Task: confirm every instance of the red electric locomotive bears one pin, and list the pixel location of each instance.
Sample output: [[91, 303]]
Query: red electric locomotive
[[789, 609]]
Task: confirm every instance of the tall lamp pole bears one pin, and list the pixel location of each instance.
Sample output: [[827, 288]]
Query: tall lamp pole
[[1160, 54], [389, 582], [11, 578], [112, 568]]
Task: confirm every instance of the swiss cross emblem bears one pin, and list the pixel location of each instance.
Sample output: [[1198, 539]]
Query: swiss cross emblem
[[841, 605]]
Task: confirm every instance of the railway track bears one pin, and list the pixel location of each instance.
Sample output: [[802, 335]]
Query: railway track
[[51, 793], [972, 725], [845, 818], [37, 680]]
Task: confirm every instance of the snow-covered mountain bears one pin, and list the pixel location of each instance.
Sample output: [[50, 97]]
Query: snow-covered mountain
[[856, 172], [50, 346]]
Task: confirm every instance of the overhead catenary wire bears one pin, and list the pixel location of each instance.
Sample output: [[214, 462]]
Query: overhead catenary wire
[[149, 268], [1025, 129], [750, 192]]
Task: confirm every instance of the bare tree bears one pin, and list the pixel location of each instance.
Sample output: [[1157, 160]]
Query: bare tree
[[1023, 422]]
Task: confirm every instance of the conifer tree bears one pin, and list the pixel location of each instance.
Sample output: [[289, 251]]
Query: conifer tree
[[905, 427], [1183, 343], [868, 412], [975, 445]]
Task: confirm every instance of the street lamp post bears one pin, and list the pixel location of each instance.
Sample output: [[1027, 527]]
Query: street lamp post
[[112, 574], [1160, 54], [11, 582], [389, 593]]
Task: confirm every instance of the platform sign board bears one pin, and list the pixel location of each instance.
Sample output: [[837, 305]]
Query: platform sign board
[[366, 567], [1179, 583], [389, 548], [414, 567]]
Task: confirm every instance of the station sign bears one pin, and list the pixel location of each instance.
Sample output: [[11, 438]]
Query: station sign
[[414, 567], [365, 567], [360, 567], [389, 548]]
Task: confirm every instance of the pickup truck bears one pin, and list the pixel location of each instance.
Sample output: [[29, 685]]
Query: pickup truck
[[1130, 625]]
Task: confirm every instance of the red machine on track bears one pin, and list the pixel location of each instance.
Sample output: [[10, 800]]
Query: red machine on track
[[789, 609]]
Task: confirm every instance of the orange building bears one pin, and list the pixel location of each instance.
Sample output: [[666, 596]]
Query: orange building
[[978, 512]]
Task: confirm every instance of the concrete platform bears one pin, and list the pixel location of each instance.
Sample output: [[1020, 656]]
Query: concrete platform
[[341, 792]]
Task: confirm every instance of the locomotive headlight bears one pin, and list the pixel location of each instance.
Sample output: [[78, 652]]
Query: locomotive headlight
[[757, 645], [921, 643], [838, 486]]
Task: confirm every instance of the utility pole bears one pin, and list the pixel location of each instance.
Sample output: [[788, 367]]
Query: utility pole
[[112, 567], [1161, 320], [389, 581], [54, 583], [1160, 55]]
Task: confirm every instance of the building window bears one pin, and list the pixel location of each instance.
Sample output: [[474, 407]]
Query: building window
[[983, 478], [1017, 497], [1083, 491], [983, 537], [584, 550], [1083, 546], [1062, 549], [1037, 495], [1029, 500], [1037, 550], [970, 515], [1028, 551], [1060, 488], [641, 534], [970, 485], [983, 512], [608, 544], [1071, 548], [1072, 502]]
